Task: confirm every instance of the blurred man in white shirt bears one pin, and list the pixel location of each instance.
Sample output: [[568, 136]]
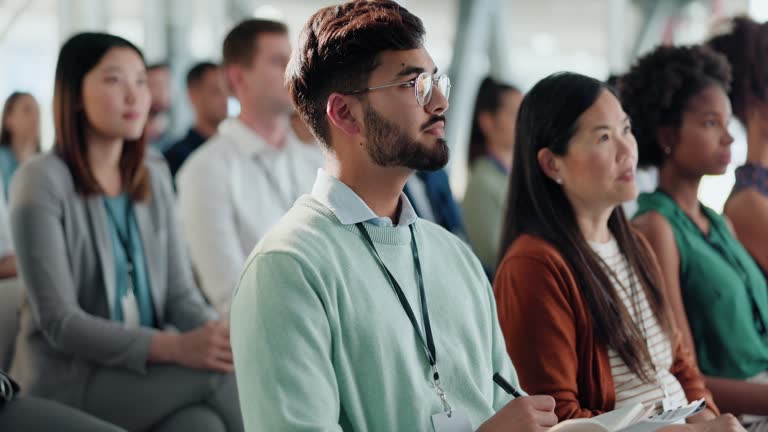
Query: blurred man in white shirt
[[240, 183]]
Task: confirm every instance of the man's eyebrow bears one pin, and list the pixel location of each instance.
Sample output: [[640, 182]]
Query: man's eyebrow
[[410, 70]]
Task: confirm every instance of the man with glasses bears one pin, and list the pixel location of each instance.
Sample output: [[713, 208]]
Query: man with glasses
[[429, 191], [353, 313]]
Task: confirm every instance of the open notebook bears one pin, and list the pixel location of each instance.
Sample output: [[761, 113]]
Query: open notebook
[[632, 418]]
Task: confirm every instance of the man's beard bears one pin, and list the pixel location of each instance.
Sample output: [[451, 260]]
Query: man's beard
[[388, 146]]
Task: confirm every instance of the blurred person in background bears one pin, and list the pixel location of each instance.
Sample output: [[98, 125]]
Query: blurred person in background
[[158, 124], [207, 92], [745, 44], [491, 142], [235, 187], [19, 134], [432, 199]]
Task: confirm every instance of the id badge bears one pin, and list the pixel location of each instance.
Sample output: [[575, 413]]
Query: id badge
[[667, 404], [456, 422], [130, 308]]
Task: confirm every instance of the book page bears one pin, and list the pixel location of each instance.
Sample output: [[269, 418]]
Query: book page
[[579, 425], [667, 418], [632, 418], [608, 422], [618, 419]]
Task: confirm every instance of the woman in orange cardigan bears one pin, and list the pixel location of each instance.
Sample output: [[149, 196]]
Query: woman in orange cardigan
[[578, 292]]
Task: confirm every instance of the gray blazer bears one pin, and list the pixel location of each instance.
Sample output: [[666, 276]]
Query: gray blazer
[[65, 257]]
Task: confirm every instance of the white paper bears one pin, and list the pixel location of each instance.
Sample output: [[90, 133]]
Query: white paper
[[626, 420], [457, 422], [611, 421], [666, 418]]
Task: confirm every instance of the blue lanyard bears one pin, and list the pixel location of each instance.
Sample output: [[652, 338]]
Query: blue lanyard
[[124, 239]]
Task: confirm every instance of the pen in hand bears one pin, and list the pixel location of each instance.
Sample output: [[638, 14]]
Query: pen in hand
[[507, 387]]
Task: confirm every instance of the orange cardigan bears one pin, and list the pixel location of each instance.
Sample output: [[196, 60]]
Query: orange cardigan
[[549, 335]]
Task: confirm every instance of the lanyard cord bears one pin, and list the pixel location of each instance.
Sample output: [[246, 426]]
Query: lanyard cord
[[427, 340]]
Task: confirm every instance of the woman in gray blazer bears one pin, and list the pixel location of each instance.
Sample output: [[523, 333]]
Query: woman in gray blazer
[[113, 323]]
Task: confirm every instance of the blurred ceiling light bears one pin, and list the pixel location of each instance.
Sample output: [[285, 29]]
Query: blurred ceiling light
[[269, 12], [758, 10]]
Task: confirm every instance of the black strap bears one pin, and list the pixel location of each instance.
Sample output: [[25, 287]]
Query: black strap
[[427, 341]]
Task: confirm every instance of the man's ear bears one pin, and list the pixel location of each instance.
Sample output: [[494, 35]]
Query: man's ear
[[339, 109], [234, 75], [550, 165]]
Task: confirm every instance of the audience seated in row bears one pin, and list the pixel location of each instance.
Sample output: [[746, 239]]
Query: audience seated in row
[[678, 101], [354, 285]]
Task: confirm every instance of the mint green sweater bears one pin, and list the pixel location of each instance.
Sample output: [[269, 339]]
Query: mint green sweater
[[321, 342]]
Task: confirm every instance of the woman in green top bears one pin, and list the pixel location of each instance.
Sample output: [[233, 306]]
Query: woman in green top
[[678, 101], [490, 158]]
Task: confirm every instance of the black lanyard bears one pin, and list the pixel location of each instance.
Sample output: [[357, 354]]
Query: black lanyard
[[428, 343]]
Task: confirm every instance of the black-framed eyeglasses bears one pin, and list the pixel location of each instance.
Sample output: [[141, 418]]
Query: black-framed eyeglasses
[[422, 84]]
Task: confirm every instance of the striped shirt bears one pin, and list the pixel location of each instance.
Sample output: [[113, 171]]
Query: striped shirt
[[630, 388]]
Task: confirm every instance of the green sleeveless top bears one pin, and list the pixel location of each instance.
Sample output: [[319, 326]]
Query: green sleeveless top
[[724, 292]]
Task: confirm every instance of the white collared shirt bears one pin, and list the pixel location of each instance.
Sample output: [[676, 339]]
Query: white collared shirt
[[349, 208], [232, 190]]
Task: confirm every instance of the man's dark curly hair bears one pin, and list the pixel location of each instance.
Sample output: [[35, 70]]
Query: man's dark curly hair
[[746, 47], [656, 90], [338, 49]]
